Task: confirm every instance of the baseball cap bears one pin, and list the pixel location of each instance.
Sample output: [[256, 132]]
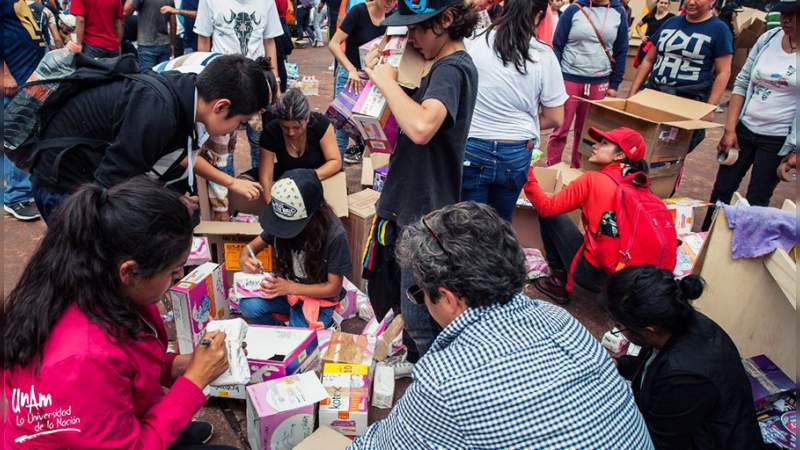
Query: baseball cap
[[296, 196], [786, 6], [412, 12], [629, 141]]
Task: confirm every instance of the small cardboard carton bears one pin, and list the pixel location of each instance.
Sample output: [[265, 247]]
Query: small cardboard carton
[[334, 190], [358, 225], [411, 65], [380, 178], [324, 438], [348, 306], [233, 249], [200, 252], [350, 349], [370, 163], [198, 298], [347, 406], [280, 413], [767, 381], [340, 111], [376, 121], [688, 251], [683, 209]]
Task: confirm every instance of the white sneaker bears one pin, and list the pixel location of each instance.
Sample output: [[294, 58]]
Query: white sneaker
[[403, 369]]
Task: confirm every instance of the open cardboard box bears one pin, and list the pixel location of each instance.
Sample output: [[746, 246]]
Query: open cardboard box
[[357, 225], [749, 24]]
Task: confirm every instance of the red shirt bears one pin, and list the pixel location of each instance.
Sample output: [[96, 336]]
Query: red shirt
[[93, 391], [283, 7], [99, 17]]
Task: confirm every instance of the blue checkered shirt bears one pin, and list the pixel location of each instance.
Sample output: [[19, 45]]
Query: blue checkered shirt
[[521, 375]]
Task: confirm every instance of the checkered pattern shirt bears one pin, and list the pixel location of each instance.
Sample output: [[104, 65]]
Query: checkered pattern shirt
[[521, 375]]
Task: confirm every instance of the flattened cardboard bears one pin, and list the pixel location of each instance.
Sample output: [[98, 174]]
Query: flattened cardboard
[[334, 189], [325, 438], [368, 165], [357, 225]]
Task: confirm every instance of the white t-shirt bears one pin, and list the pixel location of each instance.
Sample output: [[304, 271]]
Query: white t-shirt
[[238, 26], [508, 102], [771, 109]]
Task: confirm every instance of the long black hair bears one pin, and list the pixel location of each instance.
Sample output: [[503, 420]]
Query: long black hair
[[78, 261], [642, 296], [312, 242], [514, 30]]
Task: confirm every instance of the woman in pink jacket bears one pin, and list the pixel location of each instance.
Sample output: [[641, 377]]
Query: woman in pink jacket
[[85, 348]]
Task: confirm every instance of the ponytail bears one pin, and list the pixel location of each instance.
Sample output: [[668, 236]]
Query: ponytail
[[78, 262], [514, 30]]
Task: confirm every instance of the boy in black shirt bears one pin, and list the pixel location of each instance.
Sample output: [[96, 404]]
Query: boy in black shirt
[[426, 167]]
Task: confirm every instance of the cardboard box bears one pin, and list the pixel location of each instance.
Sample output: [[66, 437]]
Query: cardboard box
[[358, 226], [324, 438], [340, 111], [749, 24], [380, 178], [767, 381], [346, 348], [374, 118], [197, 299], [280, 413], [411, 65], [683, 210], [348, 306], [347, 406], [233, 250], [688, 251], [369, 163], [200, 252]]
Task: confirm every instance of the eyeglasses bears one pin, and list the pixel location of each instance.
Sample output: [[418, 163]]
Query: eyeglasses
[[619, 331], [415, 295], [435, 236]]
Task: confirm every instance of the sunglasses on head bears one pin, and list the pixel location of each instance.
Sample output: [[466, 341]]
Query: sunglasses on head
[[415, 295]]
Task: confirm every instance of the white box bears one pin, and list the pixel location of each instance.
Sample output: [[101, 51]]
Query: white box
[[197, 299]]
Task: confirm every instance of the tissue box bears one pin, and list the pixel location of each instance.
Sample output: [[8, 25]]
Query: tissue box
[[350, 349], [347, 407], [280, 413], [348, 306], [340, 111], [383, 387], [238, 371], [375, 120], [274, 352], [375, 328], [248, 285], [767, 381], [379, 179], [198, 298], [200, 252]]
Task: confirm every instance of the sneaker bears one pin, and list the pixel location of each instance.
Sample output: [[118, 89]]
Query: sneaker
[[196, 433], [403, 369], [354, 154], [552, 287], [719, 109], [25, 210]]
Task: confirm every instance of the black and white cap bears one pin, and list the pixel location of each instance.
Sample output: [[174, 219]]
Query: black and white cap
[[296, 196]]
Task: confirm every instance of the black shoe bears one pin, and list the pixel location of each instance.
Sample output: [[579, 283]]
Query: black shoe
[[354, 154], [196, 433], [553, 287], [25, 210]]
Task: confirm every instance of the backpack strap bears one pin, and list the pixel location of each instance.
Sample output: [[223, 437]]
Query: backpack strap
[[600, 39]]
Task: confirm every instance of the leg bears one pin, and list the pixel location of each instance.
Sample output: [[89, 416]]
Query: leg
[[477, 166], [558, 139], [253, 138], [298, 320], [340, 82], [163, 54], [596, 92], [512, 173], [148, 57], [48, 202], [17, 184], [282, 72], [764, 176], [259, 311], [419, 323], [561, 239]]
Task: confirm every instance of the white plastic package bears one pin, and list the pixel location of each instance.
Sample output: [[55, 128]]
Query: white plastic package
[[248, 285], [383, 387], [238, 371]]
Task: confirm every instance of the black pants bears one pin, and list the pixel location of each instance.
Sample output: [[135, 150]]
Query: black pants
[[562, 241], [283, 79], [303, 21], [98, 52], [758, 151]]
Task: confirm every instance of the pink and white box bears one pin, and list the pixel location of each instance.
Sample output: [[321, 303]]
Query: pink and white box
[[197, 299], [280, 413], [375, 120], [200, 252], [248, 285]]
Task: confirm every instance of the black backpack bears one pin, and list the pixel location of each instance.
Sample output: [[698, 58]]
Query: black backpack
[[60, 76]]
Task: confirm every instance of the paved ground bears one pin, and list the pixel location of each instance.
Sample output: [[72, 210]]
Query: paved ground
[[20, 240]]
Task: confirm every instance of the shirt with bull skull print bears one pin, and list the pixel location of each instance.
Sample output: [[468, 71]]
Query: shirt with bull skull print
[[238, 26]]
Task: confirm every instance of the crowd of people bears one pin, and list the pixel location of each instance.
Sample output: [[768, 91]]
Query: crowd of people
[[112, 173]]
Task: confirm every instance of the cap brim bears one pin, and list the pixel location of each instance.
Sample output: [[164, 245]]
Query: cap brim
[[598, 135], [402, 20], [280, 228]]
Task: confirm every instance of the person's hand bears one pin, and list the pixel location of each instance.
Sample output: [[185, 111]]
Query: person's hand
[[709, 117], [249, 264], [791, 160], [247, 189], [611, 93], [373, 57], [171, 51], [353, 82], [208, 361], [276, 287], [166, 9], [191, 202], [728, 141], [382, 74]]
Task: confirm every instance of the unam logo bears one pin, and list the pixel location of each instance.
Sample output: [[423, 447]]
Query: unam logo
[[20, 399]]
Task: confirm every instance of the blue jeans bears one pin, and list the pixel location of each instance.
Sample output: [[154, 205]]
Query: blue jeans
[[48, 202], [259, 311], [149, 56], [421, 327], [494, 173], [253, 137], [339, 84], [16, 183], [98, 52]]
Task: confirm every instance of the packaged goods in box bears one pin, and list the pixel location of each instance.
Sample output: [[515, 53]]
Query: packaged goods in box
[[379, 180], [200, 252], [198, 298], [688, 250], [767, 381], [375, 120], [248, 285], [341, 109], [350, 348], [347, 406]]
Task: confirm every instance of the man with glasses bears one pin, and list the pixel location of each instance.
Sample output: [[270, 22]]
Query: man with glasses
[[506, 371]]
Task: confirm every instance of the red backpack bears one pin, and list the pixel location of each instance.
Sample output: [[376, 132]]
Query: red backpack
[[644, 225]]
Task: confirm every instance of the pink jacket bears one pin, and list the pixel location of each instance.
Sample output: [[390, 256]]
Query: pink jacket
[[95, 392]]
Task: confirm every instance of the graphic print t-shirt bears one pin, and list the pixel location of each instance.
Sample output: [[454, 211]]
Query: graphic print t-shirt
[[23, 45], [238, 27], [686, 51]]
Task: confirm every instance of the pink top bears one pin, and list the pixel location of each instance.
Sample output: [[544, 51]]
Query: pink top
[[95, 392]]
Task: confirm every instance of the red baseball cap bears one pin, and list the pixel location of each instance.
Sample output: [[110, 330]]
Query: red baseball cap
[[629, 141]]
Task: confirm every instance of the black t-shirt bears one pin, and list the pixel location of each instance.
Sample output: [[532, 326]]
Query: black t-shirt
[[654, 24], [360, 30], [426, 177], [312, 158], [337, 251]]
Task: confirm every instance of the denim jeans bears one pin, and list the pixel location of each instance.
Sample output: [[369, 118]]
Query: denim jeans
[[253, 137], [339, 84], [259, 311], [150, 56], [16, 183], [98, 52], [48, 202], [316, 22], [421, 327], [494, 173]]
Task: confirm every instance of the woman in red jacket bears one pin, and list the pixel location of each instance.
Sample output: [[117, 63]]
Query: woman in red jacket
[[593, 192], [84, 349]]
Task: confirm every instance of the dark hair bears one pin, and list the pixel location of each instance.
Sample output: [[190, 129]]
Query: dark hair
[[312, 241], [292, 105], [474, 253], [249, 85], [465, 19], [78, 261], [514, 30], [641, 296]]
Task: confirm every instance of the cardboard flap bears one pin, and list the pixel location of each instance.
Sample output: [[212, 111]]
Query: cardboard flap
[[693, 124], [334, 189], [362, 204], [324, 437], [215, 228], [680, 106]]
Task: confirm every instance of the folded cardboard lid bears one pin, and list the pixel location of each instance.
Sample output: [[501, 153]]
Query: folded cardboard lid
[[216, 228], [325, 438], [362, 204], [334, 189], [660, 108], [690, 109]]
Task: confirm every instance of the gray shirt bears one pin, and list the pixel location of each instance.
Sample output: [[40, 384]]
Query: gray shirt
[[153, 29]]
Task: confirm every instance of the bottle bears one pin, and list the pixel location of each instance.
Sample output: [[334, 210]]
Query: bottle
[[536, 155]]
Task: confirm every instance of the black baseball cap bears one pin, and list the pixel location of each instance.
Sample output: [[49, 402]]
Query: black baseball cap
[[786, 6], [412, 12], [296, 196]]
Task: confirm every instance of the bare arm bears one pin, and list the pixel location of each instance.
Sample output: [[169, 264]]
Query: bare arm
[[119, 25], [173, 28], [80, 26], [551, 117], [722, 69], [129, 9], [333, 159], [335, 47], [330, 288], [266, 170], [644, 70], [56, 36], [272, 54], [203, 43]]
